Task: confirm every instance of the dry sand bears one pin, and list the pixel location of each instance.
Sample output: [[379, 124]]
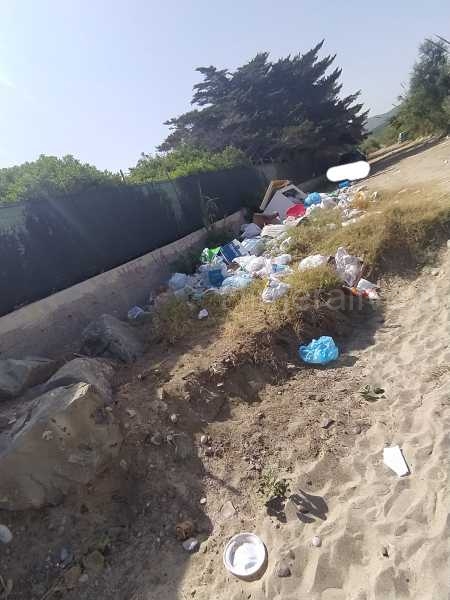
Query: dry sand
[[383, 537]]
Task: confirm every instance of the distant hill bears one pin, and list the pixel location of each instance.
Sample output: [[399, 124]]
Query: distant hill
[[377, 122]]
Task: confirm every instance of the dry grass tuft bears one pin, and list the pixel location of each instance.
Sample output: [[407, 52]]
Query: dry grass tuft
[[394, 236]]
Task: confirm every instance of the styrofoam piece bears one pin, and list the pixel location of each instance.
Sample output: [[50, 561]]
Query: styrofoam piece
[[394, 459], [244, 555]]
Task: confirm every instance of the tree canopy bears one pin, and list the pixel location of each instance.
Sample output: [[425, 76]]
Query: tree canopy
[[184, 160], [425, 107], [50, 176], [270, 110]]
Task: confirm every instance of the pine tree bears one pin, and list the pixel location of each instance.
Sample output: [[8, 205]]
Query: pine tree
[[271, 110]]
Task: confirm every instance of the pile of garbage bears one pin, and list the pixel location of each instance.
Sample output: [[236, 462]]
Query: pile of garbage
[[262, 250]]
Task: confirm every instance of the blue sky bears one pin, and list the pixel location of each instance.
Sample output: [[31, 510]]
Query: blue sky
[[97, 78]]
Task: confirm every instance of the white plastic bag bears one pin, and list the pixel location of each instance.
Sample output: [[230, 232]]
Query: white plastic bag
[[283, 259], [274, 289], [313, 261], [348, 267]]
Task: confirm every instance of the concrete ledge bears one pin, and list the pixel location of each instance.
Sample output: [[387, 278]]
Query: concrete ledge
[[51, 327]]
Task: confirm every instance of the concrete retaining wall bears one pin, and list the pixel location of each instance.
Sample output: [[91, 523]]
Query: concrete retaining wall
[[52, 326]]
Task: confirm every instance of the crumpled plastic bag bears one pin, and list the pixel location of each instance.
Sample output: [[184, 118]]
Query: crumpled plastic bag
[[274, 289], [251, 264], [251, 230], [327, 202], [348, 267], [313, 198], [255, 246], [282, 259], [235, 282], [313, 261], [320, 351], [178, 281]]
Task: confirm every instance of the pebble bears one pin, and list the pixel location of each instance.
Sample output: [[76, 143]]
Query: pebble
[[130, 412], [6, 535], [191, 545], [202, 500], [316, 541], [156, 439], [174, 418], [47, 435], [357, 429], [326, 423], [283, 570], [384, 551], [83, 578], [123, 465], [435, 272], [204, 439], [66, 556]]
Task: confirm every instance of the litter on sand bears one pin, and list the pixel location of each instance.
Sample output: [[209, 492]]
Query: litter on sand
[[394, 459], [320, 351], [245, 555]]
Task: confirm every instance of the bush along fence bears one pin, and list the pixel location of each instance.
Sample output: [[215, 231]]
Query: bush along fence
[[49, 244]]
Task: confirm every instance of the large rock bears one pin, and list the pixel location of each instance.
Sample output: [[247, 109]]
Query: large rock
[[16, 376], [96, 371], [107, 336], [65, 439]]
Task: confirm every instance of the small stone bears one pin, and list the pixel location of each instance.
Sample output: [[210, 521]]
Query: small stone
[[130, 412], [83, 578], [384, 551], [191, 545], [12, 420], [47, 435], [174, 418], [72, 576], [227, 511], [66, 556], [6, 535], [209, 451], [316, 541], [204, 439], [160, 394], [357, 429], [435, 272], [326, 423], [203, 501], [156, 439], [219, 385], [123, 465], [109, 409], [94, 562], [283, 570], [261, 416], [279, 393]]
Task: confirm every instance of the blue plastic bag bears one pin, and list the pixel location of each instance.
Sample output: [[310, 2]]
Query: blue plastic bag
[[313, 198], [320, 351], [344, 184]]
